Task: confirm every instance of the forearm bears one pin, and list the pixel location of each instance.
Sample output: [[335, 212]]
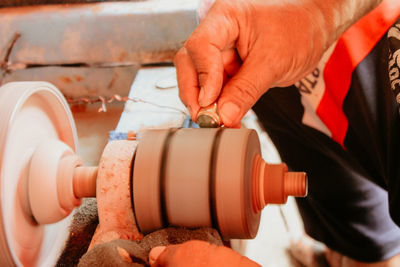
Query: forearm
[[338, 15]]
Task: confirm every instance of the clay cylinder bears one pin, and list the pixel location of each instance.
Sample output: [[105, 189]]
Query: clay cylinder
[[194, 178], [236, 151], [273, 183], [187, 177], [207, 177], [296, 184], [84, 181]]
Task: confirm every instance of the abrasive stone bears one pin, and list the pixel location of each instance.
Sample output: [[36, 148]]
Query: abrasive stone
[[109, 254]]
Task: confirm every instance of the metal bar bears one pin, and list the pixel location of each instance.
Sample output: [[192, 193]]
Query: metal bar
[[146, 32]]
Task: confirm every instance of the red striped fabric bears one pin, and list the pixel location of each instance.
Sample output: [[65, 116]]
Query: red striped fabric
[[353, 46]]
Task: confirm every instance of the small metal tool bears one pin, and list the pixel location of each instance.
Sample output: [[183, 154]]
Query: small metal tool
[[208, 117]]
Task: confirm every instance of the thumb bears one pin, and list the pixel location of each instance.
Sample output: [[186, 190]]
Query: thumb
[[241, 93], [155, 253]]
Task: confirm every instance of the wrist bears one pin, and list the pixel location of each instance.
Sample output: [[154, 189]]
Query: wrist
[[339, 15]]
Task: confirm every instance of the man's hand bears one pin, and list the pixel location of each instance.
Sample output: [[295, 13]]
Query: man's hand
[[197, 253], [244, 47]]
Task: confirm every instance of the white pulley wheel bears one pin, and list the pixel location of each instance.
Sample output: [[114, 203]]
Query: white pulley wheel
[[31, 113]]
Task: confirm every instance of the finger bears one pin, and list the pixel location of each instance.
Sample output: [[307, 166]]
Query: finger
[[187, 82], [237, 126], [231, 61], [214, 34], [207, 60], [241, 93], [187, 254], [155, 253], [164, 256]]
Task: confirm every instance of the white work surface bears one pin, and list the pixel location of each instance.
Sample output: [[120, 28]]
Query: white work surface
[[153, 86], [270, 247]]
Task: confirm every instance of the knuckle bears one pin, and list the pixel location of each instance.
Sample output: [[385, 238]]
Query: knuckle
[[192, 43], [196, 42], [179, 55], [181, 52]]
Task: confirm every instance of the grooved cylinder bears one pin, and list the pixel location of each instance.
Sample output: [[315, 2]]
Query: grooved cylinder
[[296, 184], [207, 177], [273, 183], [196, 178], [84, 181]]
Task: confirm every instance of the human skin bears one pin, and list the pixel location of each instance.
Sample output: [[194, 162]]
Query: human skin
[[244, 47], [197, 253]]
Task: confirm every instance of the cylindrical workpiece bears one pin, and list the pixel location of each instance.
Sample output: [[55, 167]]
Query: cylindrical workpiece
[[236, 151], [296, 184], [146, 189], [196, 177], [207, 177], [187, 177], [84, 181], [273, 183]]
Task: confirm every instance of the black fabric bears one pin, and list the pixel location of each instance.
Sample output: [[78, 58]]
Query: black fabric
[[394, 76], [347, 207]]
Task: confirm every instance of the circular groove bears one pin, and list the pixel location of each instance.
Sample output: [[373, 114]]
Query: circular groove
[[131, 191], [203, 177], [163, 205], [212, 190]]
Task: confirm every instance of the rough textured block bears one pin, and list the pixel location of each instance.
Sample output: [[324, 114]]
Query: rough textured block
[[135, 253], [83, 225]]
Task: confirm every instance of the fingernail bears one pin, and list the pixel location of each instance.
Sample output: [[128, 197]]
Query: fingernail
[[154, 253], [229, 113], [192, 113]]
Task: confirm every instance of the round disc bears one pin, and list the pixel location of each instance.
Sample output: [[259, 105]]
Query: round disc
[[146, 180], [31, 113], [233, 184], [113, 191]]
